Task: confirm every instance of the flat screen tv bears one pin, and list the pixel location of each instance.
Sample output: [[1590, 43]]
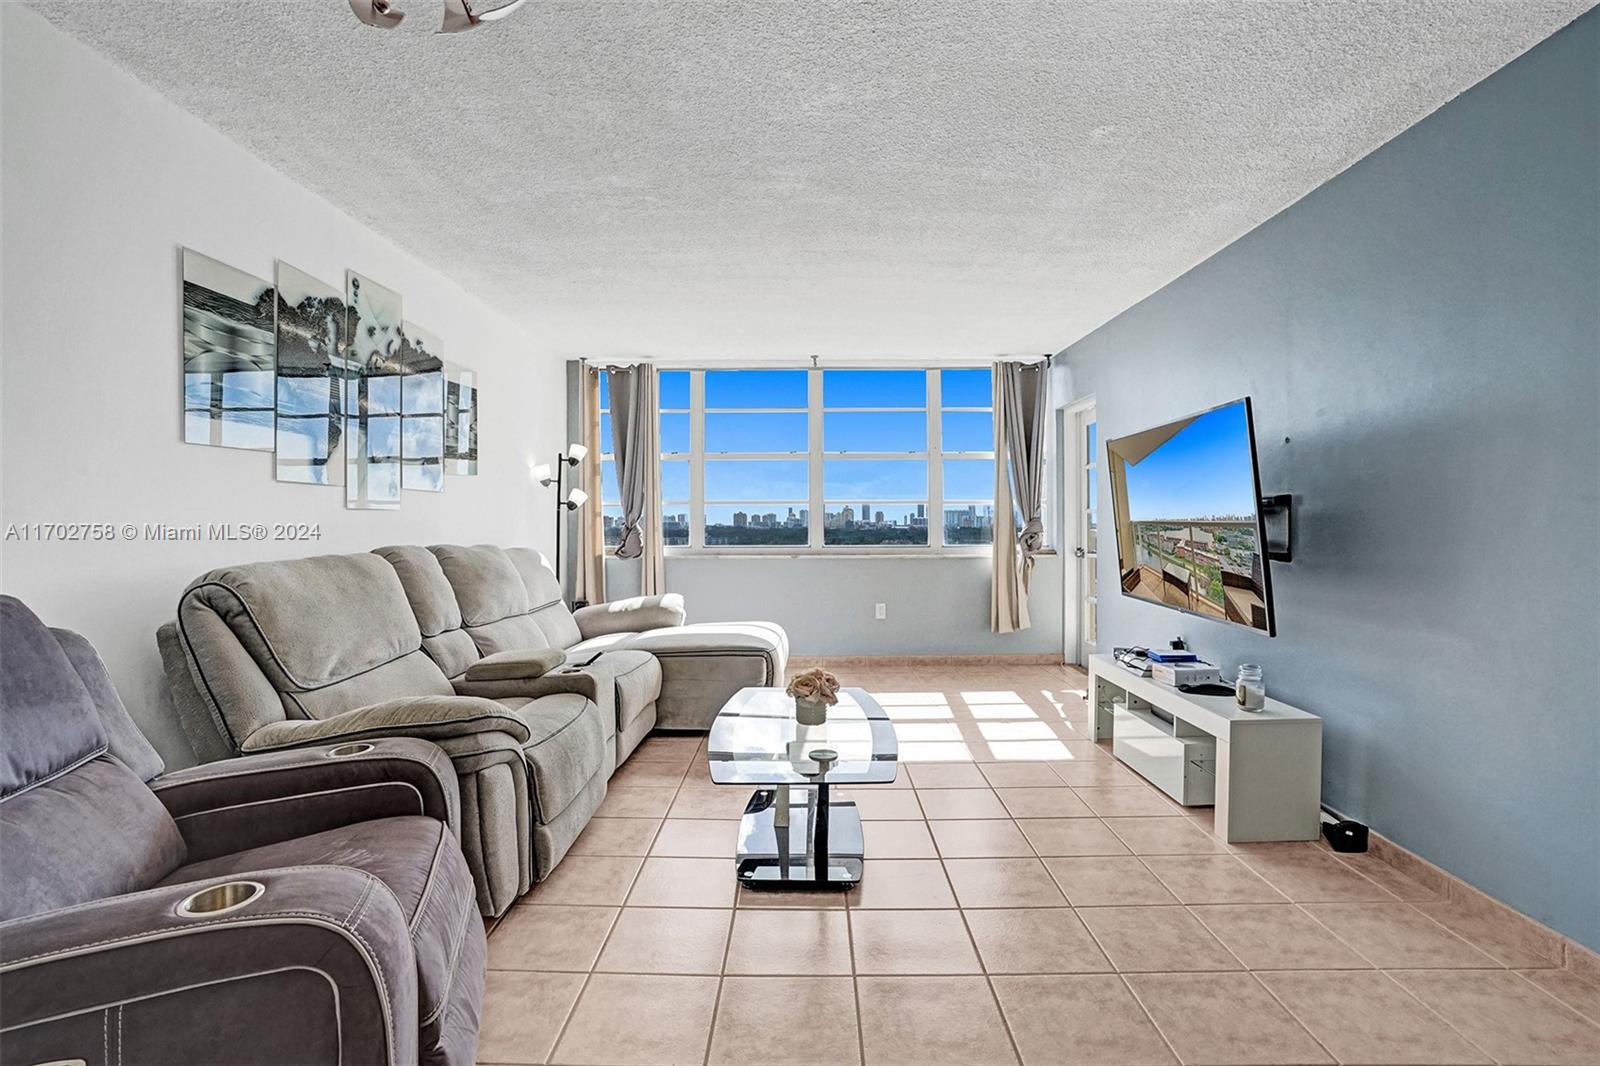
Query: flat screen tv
[[1186, 510]]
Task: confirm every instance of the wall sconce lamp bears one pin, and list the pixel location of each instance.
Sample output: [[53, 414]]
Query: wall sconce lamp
[[572, 500]]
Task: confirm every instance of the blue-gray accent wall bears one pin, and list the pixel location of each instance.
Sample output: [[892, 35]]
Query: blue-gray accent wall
[[1422, 342]]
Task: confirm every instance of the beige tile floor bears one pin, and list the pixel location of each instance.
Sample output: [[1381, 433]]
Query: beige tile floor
[[1026, 899]]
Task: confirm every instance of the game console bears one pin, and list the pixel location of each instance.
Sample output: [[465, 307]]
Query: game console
[[1190, 673]]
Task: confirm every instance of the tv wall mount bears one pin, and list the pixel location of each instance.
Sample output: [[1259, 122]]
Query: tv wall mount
[[1276, 514]]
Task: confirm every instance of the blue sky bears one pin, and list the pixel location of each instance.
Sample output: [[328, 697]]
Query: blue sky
[[1204, 470]]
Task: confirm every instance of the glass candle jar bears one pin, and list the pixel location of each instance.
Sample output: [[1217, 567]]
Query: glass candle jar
[[1248, 689]]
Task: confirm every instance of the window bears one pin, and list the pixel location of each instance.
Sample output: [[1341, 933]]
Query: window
[[757, 485], [865, 459], [875, 457], [966, 437], [673, 386]]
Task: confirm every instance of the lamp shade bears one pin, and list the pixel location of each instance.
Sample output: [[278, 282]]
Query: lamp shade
[[576, 452], [542, 474], [577, 498]]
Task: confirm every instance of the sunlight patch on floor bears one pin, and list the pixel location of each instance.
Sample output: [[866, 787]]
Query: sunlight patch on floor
[[935, 751], [1029, 751], [915, 731], [1015, 731], [912, 712]]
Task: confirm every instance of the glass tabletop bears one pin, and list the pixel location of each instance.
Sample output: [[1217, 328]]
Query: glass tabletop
[[756, 740]]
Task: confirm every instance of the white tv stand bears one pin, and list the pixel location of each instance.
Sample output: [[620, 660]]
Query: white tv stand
[[1266, 771]]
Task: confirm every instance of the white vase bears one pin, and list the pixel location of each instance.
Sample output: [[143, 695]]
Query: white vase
[[810, 712]]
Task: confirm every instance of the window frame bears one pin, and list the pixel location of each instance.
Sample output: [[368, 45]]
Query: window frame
[[815, 457]]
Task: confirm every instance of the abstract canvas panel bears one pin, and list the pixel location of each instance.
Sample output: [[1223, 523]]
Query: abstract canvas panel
[[372, 407], [311, 380], [227, 355], [460, 420], [421, 410]]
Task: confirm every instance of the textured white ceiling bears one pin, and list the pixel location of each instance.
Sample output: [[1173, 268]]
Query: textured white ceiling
[[773, 178]]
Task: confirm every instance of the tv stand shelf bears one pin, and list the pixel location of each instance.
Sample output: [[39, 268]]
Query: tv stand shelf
[[1267, 764]]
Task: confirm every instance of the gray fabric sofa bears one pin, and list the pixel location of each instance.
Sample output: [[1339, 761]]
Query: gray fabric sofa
[[471, 648], [354, 935], [277, 655]]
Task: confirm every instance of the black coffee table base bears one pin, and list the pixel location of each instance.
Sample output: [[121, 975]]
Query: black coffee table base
[[774, 856]]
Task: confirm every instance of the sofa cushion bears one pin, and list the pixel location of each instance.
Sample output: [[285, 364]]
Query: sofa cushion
[[311, 622], [766, 638], [416, 859], [519, 633], [545, 603], [93, 832], [632, 615], [125, 740], [566, 751], [46, 712], [635, 678], [486, 585]]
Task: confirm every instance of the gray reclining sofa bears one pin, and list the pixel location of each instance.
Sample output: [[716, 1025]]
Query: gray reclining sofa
[[471, 648], [301, 906]]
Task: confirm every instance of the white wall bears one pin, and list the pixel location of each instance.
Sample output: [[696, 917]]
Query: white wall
[[935, 606], [102, 181]]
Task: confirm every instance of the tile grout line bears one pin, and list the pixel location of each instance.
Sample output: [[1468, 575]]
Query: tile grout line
[[855, 980], [1326, 1050], [567, 1021], [1437, 1014], [1172, 1049]]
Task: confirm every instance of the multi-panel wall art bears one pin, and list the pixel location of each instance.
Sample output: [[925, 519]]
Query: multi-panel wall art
[[372, 407], [421, 410], [460, 420], [311, 380], [227, 355], [336, 384]]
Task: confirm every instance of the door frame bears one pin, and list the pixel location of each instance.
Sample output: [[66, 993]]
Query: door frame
[[1073, 491]]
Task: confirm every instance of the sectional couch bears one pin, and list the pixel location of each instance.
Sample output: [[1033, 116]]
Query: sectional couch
[[471, 648]]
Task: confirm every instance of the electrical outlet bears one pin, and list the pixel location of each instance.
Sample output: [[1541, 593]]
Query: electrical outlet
[[880, 611]]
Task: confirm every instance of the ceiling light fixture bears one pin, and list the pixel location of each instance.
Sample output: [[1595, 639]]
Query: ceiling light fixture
[[459, 15]]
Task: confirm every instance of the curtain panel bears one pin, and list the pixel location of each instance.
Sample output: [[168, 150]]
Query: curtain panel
[[589, 569], [1021, 409], [636, 450]]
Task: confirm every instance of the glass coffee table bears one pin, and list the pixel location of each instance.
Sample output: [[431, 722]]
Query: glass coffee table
[[792, 832]]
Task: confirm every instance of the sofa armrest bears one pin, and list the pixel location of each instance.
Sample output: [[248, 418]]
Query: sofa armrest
[[516, 665], [585, 681], [228, 806], [633, 615], [324, 945], [423, 717]]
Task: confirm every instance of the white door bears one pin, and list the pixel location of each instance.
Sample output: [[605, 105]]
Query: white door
[[1087, 533]]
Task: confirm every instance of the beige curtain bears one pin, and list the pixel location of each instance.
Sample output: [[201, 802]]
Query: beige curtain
[[589, 569], [636, 449], [1021, 405]]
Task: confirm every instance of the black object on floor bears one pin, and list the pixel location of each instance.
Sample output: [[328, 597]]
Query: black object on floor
[[1346, 835]]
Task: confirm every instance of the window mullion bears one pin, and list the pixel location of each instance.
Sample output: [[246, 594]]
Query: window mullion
[[697, 459], [935, 464], [814, 518]]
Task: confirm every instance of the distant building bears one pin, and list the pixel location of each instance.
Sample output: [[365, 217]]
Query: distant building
[[740, 519], [878, 518]]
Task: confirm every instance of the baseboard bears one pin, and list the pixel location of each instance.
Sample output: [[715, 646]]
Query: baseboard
[[1515, 939], [858, 661]]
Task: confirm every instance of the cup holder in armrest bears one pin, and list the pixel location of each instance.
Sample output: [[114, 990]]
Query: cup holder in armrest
[[345, 751], [220, 899]]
